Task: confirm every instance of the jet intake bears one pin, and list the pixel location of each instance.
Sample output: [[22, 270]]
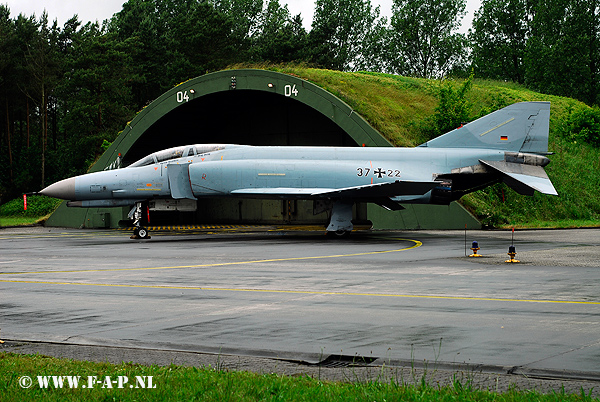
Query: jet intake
[[179, 181]]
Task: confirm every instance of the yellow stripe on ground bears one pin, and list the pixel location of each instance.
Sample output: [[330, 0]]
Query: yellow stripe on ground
[[308, 292], [176, 229], [308, 228], [206, 227], [222, 264]]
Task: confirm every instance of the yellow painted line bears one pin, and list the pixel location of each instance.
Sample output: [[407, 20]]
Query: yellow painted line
[[200, 227], [52, 235], [498, 126], [222, 264], [308, 292], [113, 232]]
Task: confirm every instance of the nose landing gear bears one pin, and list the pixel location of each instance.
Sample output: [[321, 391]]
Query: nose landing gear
[[139, 232]]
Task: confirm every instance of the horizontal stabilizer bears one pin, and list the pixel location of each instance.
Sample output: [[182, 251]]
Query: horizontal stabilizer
[[523, 178]]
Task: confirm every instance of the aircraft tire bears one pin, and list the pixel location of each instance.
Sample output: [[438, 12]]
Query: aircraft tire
[[339, 233], [142, 233]]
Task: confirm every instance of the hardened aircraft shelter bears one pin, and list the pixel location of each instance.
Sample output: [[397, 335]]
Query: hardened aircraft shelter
[[251, 107]]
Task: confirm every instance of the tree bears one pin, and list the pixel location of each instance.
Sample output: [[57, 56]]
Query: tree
[[30, 70], [453, 108], [563, 53], [42, 64], [17, 113], [342, 31], [247, 15], [139, 21], [374, 51], [279, 37], [7, 31], [423, 41], [174, 41], [199, 39], [498, 39], [95, 95]]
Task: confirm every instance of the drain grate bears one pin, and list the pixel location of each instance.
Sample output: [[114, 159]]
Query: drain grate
[[345, 361]]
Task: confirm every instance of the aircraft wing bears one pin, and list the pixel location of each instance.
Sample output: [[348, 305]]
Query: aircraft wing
[[369, 191], [381, 190], [276, 191], [523, 178]]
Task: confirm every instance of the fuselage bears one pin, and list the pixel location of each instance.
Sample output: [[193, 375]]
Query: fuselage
[[232, 170]]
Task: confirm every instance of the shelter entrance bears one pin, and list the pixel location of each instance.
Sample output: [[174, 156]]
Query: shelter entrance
[[246, 117], [240, 117], [247, 107]]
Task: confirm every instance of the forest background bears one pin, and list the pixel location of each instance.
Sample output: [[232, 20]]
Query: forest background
[[67, 91]]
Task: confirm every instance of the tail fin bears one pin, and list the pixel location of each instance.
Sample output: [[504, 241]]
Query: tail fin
[[520, 127]]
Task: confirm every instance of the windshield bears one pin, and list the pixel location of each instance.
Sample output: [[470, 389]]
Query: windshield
[[168, 154], [205, 148], [148, 160], [175, 153]]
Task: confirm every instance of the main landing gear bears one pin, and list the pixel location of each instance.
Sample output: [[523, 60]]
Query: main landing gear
[[340, 224], [139, 232]]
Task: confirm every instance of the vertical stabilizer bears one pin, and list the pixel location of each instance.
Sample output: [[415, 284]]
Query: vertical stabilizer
[[520, 127]]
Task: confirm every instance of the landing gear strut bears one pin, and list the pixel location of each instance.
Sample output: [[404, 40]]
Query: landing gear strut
[[139, 232]]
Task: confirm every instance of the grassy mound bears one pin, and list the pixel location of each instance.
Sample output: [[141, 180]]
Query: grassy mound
[[39, 207], [402, 109]]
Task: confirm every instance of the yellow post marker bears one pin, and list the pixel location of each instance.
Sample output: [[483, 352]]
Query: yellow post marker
[[475, 248], [511, 249], [511, 253]]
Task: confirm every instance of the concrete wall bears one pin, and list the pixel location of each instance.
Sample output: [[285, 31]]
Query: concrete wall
[[452, 216]]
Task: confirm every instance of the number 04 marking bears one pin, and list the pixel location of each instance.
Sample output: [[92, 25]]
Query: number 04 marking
[[291, 90], [182, 96]]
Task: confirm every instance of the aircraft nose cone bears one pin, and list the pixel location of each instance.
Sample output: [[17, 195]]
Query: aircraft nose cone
[[64, 189]]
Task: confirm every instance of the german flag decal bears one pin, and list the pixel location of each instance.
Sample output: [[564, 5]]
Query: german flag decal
[[504, 137]]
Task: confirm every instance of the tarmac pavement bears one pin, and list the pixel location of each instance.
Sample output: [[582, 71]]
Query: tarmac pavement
[[266, 299]]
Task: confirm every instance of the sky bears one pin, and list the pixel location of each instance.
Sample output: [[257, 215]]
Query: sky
[[100, 10]]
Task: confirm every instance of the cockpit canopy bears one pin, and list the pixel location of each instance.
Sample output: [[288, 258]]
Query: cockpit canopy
[[177, 152]]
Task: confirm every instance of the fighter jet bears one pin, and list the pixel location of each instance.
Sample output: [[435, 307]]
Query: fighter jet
[[509, 145]]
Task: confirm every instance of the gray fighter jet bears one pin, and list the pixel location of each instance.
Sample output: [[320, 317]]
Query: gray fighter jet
[[509, 145]]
